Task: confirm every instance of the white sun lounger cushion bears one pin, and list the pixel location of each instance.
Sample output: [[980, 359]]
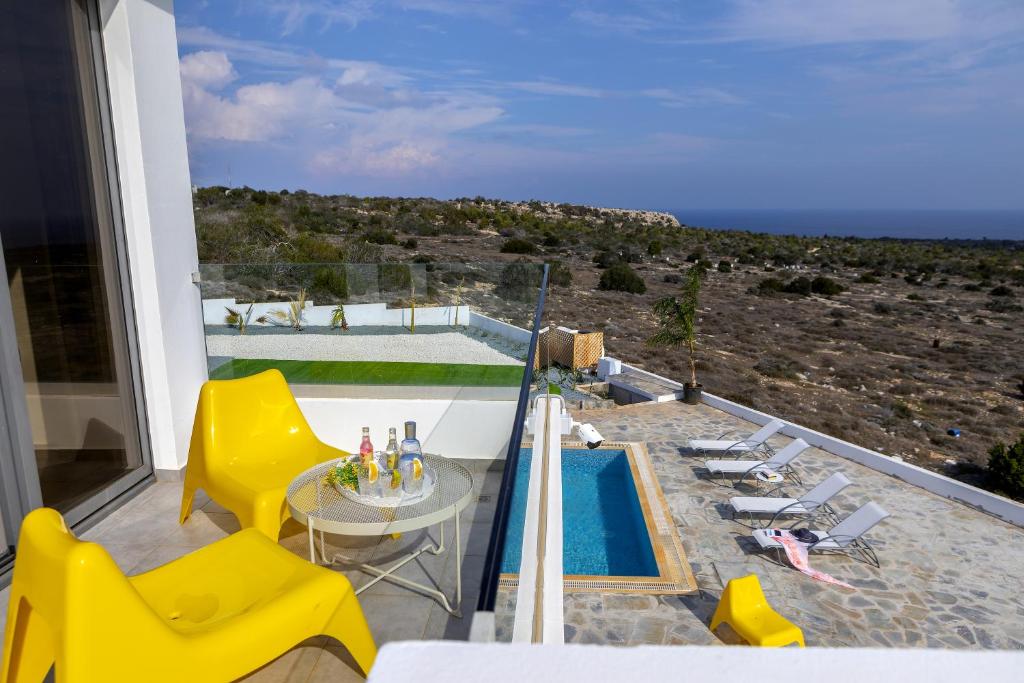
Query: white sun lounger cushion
[[738, 445]]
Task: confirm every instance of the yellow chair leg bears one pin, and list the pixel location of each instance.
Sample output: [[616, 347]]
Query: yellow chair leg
[[188, 496], [28, 652], [348, 626]]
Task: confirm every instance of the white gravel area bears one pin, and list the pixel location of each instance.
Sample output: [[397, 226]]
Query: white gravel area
[[445, 347]]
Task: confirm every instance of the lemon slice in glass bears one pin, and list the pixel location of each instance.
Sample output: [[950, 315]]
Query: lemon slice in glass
[[372, 472], [417, 469], [396, 479]]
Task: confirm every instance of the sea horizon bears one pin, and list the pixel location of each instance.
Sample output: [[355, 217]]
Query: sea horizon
[[865, 223]]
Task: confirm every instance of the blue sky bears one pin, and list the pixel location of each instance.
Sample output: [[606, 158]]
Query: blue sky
[[638, 103]]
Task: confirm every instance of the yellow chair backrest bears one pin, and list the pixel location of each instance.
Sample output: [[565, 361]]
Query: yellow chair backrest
[[744, 594], [68, 601], [253, 421]]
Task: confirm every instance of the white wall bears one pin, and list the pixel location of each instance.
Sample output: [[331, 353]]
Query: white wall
[[215, 310], [516, 334], [456, 662], [141, 52], [456, 429]]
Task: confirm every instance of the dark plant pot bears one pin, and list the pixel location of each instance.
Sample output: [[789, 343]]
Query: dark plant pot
[[691, 393]]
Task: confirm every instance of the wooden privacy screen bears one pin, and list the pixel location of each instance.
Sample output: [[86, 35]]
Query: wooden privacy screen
[[568, 348]]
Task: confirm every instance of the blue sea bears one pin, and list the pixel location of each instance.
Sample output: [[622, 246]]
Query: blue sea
[[922, 224]]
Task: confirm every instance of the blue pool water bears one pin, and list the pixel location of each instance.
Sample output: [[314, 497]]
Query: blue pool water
[[603, 525]]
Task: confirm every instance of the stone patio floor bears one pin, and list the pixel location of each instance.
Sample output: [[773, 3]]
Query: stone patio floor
[[951, 576], [144, 534]]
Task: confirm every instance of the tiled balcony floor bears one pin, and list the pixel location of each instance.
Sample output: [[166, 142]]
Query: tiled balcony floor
[[145, 533], [951, 576]]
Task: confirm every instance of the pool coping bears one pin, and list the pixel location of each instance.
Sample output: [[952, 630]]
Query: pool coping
[[675, 575]]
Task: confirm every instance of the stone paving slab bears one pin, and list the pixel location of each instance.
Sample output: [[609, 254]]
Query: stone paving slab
[[951, 576]]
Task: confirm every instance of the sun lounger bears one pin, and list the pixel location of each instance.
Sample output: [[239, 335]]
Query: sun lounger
[[846, 537], [779, 463], [810, 504], [758, 441]]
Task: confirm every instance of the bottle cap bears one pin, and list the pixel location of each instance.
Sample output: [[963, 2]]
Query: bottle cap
[[410, 430]]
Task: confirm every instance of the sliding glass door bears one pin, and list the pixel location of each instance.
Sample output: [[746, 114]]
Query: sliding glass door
[[65, 290]]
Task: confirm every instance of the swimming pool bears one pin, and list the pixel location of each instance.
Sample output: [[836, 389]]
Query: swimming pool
[[605, 532]]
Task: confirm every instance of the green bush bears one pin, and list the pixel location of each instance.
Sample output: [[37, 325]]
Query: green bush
[[551, 240], [622, 278], [1001, 290], [380, 236], [1006, 468], [798, 285], [882, 308], [559, 274], [606, 259], [770, 285], [868, 279], [972, 287], [331, 282], [826, 286], [724, 267], [410, 243], [518, 246], [654, 248], [394, 277], [519, 281]]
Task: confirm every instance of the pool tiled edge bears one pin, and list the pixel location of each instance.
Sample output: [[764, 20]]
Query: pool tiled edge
[[675, 576]]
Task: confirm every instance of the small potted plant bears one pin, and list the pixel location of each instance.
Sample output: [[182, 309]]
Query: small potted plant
[[236, 318], [677, 327], [338, 321]]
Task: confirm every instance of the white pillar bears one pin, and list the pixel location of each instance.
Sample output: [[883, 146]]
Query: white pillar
[[141, 51]]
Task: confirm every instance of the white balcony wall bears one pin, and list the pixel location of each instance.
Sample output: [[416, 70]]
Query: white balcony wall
[[141, 52], [453, 428]]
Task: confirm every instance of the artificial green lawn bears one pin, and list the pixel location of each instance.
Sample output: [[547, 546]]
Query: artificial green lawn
[[369, 372]]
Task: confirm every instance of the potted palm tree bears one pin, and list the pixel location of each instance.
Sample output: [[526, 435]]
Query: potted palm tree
[[677, 327]]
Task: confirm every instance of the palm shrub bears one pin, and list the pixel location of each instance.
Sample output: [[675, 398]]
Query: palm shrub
[[1006, 468], [518, 246], [622, 278], [677, 320]]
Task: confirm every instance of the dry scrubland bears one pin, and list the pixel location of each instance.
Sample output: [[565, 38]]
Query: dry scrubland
[[917, 343]]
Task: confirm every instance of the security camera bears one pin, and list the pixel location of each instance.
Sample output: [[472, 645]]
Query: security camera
[[589, 435]]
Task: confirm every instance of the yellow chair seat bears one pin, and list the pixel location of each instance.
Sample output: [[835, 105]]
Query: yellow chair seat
[[213, 615], [249, 441], [744, 607]]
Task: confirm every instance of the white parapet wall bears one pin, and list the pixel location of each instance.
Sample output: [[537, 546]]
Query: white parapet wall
[[944, 486], [455, 662], [507, 330], [470, 429], [356, 315]]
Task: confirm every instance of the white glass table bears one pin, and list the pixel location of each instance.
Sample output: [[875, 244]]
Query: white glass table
[[321, 508]]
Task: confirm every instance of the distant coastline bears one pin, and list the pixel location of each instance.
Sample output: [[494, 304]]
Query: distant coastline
[[906, 224]]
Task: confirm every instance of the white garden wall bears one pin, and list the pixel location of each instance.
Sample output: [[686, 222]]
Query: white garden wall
[[468, 429], [215, 311]]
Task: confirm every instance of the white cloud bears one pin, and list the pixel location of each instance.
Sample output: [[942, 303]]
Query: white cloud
[[842, 21], [354, 124], [692, 97], [208, 69], [556, 88]]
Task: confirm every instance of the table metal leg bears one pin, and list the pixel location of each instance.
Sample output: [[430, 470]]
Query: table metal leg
[[388, 574]]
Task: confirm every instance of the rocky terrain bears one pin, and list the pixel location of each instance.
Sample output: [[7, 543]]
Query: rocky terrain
[[925, 337]]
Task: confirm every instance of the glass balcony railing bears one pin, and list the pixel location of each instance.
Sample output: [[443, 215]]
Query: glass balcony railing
[[391, 324], [448, 345]]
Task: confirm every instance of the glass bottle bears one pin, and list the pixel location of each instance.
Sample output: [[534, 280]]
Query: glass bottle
[[391, 452], [366, 448], [410, 446]]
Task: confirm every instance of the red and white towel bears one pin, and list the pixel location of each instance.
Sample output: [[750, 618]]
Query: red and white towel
[[796, 552]]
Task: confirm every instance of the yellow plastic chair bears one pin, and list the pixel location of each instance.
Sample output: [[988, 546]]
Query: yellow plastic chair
[[214, 615], [744, 607], [249, 441]]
